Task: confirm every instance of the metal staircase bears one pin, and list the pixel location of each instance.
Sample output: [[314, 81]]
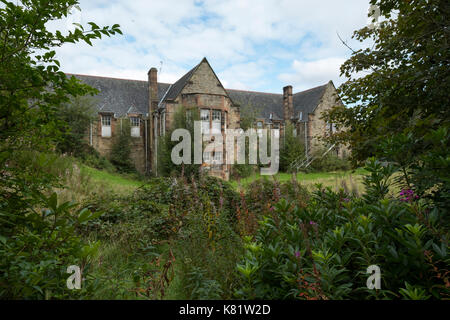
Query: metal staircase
[[306, 160]]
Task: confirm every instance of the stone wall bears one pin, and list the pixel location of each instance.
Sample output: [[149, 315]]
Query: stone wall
[[317, 127], [104, 145]]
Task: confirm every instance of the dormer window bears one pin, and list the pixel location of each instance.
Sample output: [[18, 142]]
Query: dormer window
[[135, 123], [106, 126]]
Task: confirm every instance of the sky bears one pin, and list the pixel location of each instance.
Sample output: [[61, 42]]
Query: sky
[[257, 45]]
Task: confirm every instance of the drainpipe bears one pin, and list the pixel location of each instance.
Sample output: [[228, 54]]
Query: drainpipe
[[306, 140], [146, 146], [90, 133]]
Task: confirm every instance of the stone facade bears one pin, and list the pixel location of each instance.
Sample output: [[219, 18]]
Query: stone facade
[[155, 104]]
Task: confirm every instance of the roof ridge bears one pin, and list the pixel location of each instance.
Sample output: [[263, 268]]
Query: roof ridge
[[104, 77], [279, 94], [323, 85]]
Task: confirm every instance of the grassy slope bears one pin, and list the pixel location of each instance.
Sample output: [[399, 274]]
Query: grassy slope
[[352, 179], [117, 182]]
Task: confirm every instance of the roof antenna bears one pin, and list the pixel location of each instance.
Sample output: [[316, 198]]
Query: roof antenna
[[160, 67]]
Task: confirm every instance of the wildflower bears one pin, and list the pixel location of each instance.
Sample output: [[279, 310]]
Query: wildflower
[[297, 254], [408, 195], [346, 199], [312, 223]]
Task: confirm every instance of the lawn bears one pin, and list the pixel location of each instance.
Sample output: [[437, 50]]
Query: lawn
[[350, 179]]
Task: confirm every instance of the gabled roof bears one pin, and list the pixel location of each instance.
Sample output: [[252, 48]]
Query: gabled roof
[[307, 101], [266, 103], [122, 96], [176, 88]]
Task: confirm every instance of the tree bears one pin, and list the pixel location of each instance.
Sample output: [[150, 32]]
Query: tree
[[292, 148], [75, 118], [400, 112], [184, 118], [36, 231], [121, 149]]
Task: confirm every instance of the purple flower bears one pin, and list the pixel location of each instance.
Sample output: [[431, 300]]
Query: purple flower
[[312, 223], [346, 199], [408, 195], [297, 254]]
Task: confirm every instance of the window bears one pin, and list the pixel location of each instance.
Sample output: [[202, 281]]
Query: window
[[207, 157], [300, 116], [294, 132], [259, 126], [106, 126], [135, 126], [216, 121], [204, 117], [331, 127], [218, 156], [276, 128]]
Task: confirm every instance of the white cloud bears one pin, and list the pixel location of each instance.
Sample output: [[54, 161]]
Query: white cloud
[[251, 44], [307, 74]]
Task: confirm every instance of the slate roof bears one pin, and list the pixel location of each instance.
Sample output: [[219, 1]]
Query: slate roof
[[267, 103], [262, 104], [307, 101], [122, 96]]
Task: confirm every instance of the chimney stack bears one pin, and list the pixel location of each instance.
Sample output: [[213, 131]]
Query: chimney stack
[[288, 103], [153, 89]]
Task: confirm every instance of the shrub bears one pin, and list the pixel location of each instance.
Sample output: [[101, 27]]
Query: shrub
[[292, 148], [121, 149], [322, 251], [330, 162]]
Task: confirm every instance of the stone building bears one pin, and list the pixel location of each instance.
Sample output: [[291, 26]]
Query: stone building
[[149, 106]]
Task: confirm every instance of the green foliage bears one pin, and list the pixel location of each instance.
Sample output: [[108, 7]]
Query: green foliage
[[292, 148], [398, 113], [322, 250], [37, 247], [329, 162], [75, 118], [183, 118], [37, 236], [121, 148]]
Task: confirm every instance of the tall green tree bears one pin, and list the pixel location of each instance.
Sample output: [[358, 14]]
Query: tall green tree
[[400, 109], [36, 232], [75, 118]]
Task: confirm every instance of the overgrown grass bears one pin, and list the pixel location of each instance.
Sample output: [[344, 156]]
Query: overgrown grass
[[119, 183], [336, 180]]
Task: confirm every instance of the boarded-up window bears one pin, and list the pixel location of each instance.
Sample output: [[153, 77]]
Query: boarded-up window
[[216, 121], [106, 126], [204, 117], [135, 126]]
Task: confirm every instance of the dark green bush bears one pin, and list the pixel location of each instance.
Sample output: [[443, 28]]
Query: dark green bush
[[322, 251]]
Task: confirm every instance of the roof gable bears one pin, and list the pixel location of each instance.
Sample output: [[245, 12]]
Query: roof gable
[[200, 79], [308, 100]]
